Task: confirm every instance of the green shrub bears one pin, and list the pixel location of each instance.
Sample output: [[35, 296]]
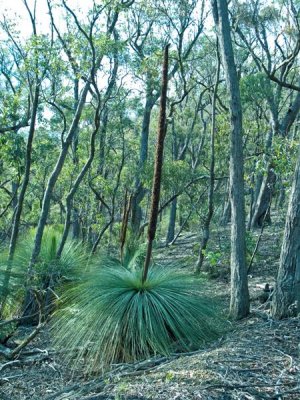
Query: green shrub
[[48, 271]]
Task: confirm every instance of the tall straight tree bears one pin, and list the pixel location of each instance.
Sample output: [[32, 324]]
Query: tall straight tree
[[239, 300]]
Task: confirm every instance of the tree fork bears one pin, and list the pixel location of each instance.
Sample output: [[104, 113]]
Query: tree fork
[[158, 163]]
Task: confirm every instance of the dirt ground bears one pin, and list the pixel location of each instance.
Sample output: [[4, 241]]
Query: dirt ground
[[257, 359]]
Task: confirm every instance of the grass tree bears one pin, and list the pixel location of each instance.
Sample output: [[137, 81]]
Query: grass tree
[[129, 310], [48, 272]]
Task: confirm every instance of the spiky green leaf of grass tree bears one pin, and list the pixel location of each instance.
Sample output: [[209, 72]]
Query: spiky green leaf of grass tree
[[48, 271], [111, 316], [134, 253]]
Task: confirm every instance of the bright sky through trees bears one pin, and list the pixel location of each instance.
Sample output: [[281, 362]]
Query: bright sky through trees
[[16, 9]]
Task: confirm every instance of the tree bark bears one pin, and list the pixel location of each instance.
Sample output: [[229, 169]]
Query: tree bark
[[226, 214], [286, 298], [262, 210], [172, 222], [239, 300], [81, 175]]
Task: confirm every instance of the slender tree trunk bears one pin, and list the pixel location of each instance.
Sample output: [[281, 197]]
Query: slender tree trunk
[[266, 187], [290, 116], [172, 222], [103, 130], [52, 181], [239, 300], [19, 206], [14, 190], [158, 164], [281, 196], [210, 212], [75, 141], [262, 210], [286, 298], [99, 237], [124, 226], [226, 214], [136, 211], [71, 194]]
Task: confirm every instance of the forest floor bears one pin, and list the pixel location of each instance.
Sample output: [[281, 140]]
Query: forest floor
[[259, 358]]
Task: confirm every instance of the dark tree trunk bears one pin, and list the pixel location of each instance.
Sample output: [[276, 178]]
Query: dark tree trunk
[[261, 212], [290, 116], [14, 190], [76, 224], [172, 222]]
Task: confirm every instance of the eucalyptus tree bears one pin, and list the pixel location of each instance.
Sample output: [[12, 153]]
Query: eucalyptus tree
[[110, 15], [35, 66], [239, 300], [257, 26]]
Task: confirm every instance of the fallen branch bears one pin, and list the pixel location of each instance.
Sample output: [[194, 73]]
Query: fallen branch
[[10, 355]]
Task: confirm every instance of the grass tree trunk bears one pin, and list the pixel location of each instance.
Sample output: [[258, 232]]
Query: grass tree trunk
[[239, 300], [158, 164], [286, 299], [210, 212], [151, 99]]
